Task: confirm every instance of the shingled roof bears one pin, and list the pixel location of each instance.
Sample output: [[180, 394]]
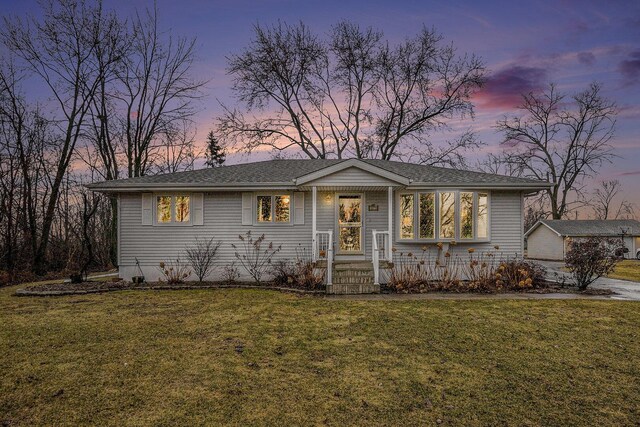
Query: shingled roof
[[285, 172], [585, 227]]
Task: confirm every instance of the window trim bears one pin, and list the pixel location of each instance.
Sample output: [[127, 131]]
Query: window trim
[[416, 216], [173, 222], [273, 222]]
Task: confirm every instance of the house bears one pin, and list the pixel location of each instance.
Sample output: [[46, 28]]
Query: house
[[548, 239], [345, 212]]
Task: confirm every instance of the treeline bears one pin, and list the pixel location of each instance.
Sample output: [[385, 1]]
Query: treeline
[[85, 95]]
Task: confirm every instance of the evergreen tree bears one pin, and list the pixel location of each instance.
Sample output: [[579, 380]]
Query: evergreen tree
[[215, 153]]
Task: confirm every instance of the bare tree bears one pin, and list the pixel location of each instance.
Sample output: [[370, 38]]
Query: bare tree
[[350, 95], [602, 201], [157, 91], [559, 141], [58, 49]]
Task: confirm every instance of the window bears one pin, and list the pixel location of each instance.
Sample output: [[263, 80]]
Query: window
[[406, 216], [483, 216], [447, 215], [273, 208], [182, 209], [173, 209], [264, 209], [427, 214], [283, 204], [466, 215], [444, 215]]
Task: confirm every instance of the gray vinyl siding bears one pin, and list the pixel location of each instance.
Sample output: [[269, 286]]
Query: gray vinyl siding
[[544, 243], [222, 220]]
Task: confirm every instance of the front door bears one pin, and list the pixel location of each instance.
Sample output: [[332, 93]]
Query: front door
[[350, 224]]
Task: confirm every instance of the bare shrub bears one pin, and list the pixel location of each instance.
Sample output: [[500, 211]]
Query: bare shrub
[[201, 257], [589, 259], [436, 270], [253, 256], [301, 273], [230, 273], [174, 271]]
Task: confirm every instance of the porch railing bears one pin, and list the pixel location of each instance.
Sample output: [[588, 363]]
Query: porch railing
[[381, 251], [323, 251]]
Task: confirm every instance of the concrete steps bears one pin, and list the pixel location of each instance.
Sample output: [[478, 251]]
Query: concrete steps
[[353, 278]]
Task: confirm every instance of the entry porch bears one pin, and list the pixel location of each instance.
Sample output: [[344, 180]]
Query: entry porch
[[352, 235]]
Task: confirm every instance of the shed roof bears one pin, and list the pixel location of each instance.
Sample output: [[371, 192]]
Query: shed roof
[[588, 227]]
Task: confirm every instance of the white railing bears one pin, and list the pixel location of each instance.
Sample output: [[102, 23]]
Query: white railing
[[323, 250], [381, 251]]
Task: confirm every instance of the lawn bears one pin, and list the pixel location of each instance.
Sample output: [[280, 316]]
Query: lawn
[[251, 357], [628, 269]]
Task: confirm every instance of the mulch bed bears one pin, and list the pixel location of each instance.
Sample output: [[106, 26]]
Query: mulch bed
[[547, 287], [92, 287]]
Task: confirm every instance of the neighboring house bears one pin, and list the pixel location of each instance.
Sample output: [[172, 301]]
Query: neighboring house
[[340, 211], [549, 239]]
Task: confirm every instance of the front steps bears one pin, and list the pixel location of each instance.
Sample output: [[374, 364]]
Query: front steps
[[352, 277]]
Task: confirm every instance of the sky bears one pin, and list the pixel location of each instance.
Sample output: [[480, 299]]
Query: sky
[[525, 46]]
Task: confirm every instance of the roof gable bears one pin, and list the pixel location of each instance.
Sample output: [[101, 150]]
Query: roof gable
[[352, 169]]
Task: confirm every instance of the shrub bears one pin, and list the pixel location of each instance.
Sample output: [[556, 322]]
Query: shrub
[[589, 259], [230, 272], [301, 273], [174, 271], [252, 255], [444, 271], [201, 257]]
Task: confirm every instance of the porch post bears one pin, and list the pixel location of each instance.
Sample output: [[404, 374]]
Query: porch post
[[314, 202], [390, 229]]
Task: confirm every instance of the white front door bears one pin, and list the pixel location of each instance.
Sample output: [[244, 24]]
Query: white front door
[[350, 221]]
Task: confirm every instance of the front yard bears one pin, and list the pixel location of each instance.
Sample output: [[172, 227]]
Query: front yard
[[628, 269], [250, 357]]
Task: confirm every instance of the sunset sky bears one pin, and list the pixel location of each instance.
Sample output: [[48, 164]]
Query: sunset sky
[[525, 45]]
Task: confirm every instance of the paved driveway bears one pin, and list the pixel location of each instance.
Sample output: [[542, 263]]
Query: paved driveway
[[625, 289]]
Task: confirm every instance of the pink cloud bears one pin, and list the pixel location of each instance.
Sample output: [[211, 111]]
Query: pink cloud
[[504, 88]]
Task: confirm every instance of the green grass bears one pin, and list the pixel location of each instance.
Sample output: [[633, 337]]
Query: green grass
[[248, 357], [628, 269]]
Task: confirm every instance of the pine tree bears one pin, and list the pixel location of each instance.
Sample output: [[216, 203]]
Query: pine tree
[[215, 153]]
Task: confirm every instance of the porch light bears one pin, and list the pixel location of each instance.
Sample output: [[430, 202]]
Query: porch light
[[327, 198]]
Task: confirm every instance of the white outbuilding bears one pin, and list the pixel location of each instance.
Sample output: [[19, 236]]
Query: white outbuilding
[[548, 239]]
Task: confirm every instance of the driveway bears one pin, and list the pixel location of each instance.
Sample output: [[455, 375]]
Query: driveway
[[625, 289]]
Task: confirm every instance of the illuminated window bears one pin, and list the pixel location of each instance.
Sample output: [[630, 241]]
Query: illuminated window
[[163, 210], [264, 209], [273, 208], [283, 208], [173, 209], [182, 208], [440, 215], [483, 217], [466, 215], [406, 216], [427, 214], [447, 215]]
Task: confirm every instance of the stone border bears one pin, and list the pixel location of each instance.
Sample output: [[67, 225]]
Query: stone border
[[34, 293]]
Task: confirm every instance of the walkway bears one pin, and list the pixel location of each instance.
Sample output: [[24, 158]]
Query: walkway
[[626, 289]]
